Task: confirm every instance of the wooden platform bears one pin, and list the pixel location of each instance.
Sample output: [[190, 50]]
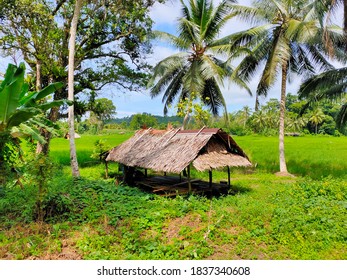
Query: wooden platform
[[172, 186]]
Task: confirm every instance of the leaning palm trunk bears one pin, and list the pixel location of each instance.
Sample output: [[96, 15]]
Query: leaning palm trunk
[[283, 165], [72, 43], [256, 106]]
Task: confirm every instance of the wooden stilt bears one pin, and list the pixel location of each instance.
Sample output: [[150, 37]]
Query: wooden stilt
[[189, 181], [210, 178], [180, 177], [146, 172], [164, 173], [106, 169], [228, 176]]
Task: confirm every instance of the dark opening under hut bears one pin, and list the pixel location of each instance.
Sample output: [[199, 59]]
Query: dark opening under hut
[[174, 151]]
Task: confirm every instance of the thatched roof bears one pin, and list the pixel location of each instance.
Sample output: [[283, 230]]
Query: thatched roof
[[173, 150]]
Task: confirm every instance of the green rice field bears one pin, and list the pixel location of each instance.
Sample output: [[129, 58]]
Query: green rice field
[[312, 156]]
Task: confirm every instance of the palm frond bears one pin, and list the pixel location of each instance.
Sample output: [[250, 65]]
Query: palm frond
[[215, 20], [171, 39], [251, 15], [324, 81], [278, 55]]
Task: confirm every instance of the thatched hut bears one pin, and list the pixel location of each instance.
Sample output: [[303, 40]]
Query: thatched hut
[[174, 150]]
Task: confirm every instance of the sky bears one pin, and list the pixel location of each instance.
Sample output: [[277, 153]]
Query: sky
[[165, 17]]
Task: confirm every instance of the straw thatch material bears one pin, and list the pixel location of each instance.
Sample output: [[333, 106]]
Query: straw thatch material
[[173, 150]]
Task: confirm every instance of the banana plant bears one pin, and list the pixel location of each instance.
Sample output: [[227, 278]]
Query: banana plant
[[20, 109]]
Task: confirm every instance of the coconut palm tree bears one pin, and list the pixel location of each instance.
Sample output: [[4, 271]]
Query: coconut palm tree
[[317, 117], [287, 40], [196, 69]]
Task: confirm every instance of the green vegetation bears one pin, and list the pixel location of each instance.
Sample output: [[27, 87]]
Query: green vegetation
[[45, 213], [263, 217]]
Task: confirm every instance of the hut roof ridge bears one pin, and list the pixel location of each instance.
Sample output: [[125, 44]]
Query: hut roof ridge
[[173, 150]]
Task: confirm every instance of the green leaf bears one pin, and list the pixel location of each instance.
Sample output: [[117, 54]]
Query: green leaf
[[10, 91], [57, 103], [48, 90], [34, 133], [22, 116]]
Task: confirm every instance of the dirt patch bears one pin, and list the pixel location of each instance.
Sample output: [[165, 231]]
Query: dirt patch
[[285, 174], [174, 226]]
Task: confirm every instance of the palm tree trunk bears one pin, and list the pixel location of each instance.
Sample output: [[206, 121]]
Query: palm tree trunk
[[256, 106], [283, 165], [185, 121], [72, 44]]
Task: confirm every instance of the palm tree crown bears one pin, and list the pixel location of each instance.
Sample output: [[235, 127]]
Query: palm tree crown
[[195, 68]]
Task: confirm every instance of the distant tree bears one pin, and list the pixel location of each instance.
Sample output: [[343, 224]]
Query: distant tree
[[246, 113], [103, 108], [143, 120], [317, 117]]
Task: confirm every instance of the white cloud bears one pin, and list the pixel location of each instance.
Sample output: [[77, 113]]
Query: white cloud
[[166, 13]]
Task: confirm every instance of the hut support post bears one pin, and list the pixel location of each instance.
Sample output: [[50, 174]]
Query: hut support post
[[146, 172], [106, 169], [189, 181], [210, 178], [228, 176]]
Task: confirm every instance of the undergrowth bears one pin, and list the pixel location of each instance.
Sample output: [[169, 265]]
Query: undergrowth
[[265, 218]]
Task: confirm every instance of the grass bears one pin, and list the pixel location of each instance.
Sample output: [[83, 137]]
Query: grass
[[313, 156], [269, 217], [84, 145]]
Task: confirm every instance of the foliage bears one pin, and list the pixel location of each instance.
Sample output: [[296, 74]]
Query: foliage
[[162, 121], [310, 216], [330, 85], [101, 147], [98, 220], [143, 120], [190, 107], [19, 114], [103, 108], [110, 35]]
